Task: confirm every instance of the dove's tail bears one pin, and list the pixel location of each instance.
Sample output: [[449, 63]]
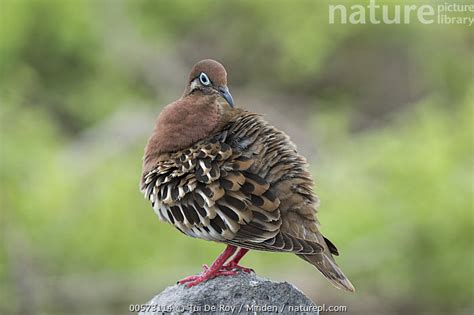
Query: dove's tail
[[330, 270]]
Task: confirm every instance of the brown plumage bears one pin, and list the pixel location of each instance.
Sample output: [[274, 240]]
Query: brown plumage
[[224, 174]]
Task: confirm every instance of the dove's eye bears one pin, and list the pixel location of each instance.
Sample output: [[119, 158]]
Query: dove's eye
[[204, 79]]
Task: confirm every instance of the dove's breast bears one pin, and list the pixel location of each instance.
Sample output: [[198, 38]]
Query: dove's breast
[[230, 187]]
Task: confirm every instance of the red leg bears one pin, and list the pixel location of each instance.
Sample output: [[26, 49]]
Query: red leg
[[215, 269], [240, 254], [234, 263]]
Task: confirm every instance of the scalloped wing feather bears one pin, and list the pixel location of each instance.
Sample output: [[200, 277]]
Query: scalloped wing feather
[[242, 185]]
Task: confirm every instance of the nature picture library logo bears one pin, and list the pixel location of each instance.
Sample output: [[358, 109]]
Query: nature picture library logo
[[373, 12]]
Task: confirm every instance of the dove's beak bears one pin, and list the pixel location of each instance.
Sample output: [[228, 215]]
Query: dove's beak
[[224, 92]]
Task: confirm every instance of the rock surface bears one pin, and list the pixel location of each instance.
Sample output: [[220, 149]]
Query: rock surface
[[242, 293]]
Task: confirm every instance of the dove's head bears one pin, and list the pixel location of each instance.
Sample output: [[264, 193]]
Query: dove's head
[[210, 78], [205, 107]]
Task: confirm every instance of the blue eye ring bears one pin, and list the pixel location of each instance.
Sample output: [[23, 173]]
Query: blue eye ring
[[204, 79]]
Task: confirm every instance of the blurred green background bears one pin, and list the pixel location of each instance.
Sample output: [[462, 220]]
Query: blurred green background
[[384, 114]]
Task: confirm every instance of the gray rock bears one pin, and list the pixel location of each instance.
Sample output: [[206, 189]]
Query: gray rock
[[242, 293]]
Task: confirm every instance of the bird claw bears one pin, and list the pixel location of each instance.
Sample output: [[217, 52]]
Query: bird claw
[[188, 279], [230, 267], [218, 268], [191, 281], [235, 267]]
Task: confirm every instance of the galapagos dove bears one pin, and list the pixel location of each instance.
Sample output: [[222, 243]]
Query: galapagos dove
[[220, 173]]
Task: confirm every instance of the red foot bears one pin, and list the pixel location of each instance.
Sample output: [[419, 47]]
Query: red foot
[[187, 279], [234, 263], [219, 268], [231, 266], [191, 281]]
